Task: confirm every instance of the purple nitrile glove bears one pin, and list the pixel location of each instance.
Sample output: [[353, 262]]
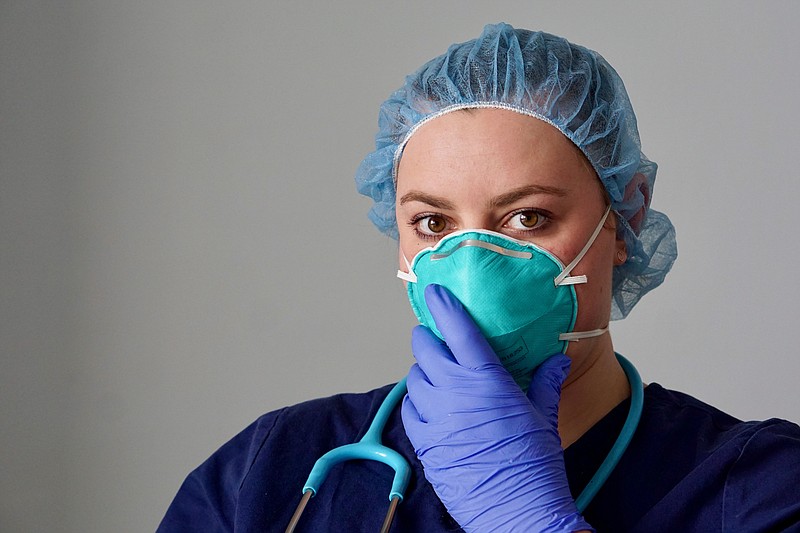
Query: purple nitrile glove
[[492, 453]]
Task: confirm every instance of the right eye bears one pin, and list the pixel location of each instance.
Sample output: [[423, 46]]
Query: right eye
[[430, 226]]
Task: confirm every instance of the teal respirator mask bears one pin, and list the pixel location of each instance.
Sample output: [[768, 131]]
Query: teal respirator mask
[[521, 296]]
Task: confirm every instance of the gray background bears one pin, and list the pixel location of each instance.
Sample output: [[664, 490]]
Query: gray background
[[182, 248]]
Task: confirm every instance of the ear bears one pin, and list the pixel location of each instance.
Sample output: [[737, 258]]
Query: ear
[[620, 252]]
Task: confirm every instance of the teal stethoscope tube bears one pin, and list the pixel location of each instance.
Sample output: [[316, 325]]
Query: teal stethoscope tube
[[624, 438], [371, 448], [368, 448]]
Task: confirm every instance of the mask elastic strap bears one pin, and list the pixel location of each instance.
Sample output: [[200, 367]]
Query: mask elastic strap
[[407, 276], [578, 335], [564, 278]]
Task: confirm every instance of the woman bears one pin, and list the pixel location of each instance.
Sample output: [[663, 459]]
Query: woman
[[510, 171]]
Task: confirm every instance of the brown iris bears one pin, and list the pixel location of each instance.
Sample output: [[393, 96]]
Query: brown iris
[[529, 219], [436, 224]]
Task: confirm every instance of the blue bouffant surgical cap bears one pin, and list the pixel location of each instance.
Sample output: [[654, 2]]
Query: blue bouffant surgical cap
[[550, 79]]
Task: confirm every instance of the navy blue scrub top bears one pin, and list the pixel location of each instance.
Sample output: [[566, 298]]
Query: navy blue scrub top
[[689, 467]]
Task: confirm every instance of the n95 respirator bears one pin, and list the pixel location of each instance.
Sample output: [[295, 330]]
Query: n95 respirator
[[520, 295]]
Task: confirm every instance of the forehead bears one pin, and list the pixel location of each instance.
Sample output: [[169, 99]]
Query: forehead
[[471, 147]]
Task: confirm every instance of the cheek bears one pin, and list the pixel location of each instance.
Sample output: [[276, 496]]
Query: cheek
[[594, 304], [402, 256], [594, 297], [409, 246], [406, 242], [405, 254]]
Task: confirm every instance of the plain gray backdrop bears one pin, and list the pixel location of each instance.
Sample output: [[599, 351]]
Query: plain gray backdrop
[[182, 247]]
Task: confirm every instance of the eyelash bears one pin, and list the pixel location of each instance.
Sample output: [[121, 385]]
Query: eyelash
[[416, 219]]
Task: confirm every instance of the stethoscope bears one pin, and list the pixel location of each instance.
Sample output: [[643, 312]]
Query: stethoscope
[[370, 448]]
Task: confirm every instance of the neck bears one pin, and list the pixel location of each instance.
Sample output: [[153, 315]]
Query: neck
[[596, 384]]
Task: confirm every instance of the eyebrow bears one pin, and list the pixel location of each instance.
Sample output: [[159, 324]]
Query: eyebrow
[[433, 201], [528, 190], [498, 201]]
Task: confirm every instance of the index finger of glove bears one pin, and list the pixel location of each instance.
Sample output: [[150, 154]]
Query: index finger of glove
[[433, 356], [465, 340]]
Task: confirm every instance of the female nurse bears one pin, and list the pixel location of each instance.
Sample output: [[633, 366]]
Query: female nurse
[[510, 170]]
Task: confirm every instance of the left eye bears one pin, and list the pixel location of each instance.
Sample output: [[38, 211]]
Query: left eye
[[526, 220]]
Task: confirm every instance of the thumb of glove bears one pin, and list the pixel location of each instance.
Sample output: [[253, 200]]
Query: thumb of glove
[[545, 389]]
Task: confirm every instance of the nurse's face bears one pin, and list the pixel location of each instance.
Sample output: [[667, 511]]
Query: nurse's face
[[499, 170]]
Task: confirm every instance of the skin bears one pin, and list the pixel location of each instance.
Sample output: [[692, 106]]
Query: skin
[[503, 171]]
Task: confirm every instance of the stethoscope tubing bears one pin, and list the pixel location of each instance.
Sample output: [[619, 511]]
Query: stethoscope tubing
[[371, 448]]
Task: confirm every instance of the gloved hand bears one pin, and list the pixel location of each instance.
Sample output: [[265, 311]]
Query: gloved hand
[[491, 452]]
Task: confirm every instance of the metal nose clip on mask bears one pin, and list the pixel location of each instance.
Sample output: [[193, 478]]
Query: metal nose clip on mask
[[521, 296]]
